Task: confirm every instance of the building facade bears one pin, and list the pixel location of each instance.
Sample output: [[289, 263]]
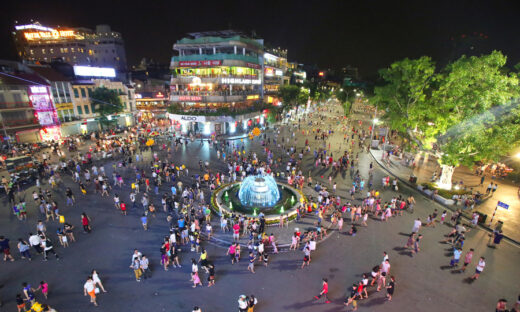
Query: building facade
[[77, 46], [27, 111], [216, 74]]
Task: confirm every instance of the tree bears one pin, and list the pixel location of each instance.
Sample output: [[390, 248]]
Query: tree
[[106, 102], [289, 94], [303, 96], [462, 114], [345, 96]]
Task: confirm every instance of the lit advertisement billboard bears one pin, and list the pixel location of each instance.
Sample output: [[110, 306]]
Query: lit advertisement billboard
[[88, 71]]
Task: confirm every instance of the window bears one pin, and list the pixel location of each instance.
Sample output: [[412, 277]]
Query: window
[[32, 52], [17, 97], [52, 51], [80, 110], [72, 50], [83, 92], [93, 108], [76, 94], [89, 92], [87, 111]]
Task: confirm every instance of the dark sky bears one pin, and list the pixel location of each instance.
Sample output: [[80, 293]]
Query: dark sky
[[363, 33]]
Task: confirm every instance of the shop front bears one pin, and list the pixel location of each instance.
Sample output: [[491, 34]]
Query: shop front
[[215, 125]]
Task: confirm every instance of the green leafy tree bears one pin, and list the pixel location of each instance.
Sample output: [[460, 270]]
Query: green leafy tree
[[303, 96], [106, 102], [346, 96], [289, 94], [463, 114]]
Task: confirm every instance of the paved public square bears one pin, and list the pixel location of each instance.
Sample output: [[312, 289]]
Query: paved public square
[[421, 283]]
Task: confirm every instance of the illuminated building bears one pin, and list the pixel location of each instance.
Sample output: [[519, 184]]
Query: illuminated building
[[77, 46], [217, 81], [85, 109], [27, 111], [275, 69]]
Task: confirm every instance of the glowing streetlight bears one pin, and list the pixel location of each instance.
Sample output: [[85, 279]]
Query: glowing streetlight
[[517, 155]]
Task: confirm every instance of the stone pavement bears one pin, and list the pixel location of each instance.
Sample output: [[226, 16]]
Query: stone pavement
[[506, 192], [421, 285]]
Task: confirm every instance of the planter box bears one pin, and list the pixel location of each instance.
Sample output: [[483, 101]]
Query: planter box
[[444, 201], [428, 192]]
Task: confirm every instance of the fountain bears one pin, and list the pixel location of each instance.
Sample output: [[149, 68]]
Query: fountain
[[259, 191], [258, 195]]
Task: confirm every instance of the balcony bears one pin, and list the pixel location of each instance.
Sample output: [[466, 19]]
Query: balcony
[[215, 57], [213, 79], [14, 105], [12, 123], [208, 98]]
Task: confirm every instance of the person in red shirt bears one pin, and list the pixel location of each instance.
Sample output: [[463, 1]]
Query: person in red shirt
[[85, 221], [324, 291], [123, 208], [236, 232]]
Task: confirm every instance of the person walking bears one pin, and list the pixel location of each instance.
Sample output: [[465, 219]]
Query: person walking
[[242, 303], [324, 291], [251, 302], [251, 266], [5, 249], [390, 288], [145, 267], [136, 266], [467, 259], [97, 280], [480, 267], [90, 288], [48, 248], [85, 221]]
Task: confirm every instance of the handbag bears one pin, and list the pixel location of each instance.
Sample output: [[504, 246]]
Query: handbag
[[96, 290]]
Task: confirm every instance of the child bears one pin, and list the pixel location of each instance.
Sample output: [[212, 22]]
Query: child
[[123, 208], [20, 303], [211, 277], [443, 216], [196, 279], [265, 258], [44, 287]]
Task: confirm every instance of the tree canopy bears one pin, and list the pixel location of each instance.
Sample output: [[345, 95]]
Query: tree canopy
[[465, 112], [106, 102]]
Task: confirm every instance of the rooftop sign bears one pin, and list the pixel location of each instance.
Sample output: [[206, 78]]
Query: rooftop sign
[[94, 71]]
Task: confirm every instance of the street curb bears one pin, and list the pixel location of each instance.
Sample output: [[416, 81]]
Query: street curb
[[407, 183]]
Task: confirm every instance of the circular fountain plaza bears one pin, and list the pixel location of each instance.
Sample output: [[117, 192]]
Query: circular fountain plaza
[[258, 194]]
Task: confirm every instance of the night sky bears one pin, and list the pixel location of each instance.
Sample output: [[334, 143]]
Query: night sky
[[332, 34]]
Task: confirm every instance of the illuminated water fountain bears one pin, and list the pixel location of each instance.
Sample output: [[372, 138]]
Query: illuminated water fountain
[[259, 191]]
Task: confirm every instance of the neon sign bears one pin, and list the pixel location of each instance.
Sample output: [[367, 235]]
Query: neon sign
[[54, 34]]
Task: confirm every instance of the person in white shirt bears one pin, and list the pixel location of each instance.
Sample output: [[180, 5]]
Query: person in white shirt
[[480, 267], [90, 288], [35, 242], [416, 225]]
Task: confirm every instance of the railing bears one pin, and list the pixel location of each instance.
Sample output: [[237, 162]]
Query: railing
[[19, 122], [218, 56], [11, 105], [214, 93]]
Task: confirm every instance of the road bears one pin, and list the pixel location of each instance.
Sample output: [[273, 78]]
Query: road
[[421, 285]]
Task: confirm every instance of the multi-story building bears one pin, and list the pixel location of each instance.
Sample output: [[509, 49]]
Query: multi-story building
[[61, 91], [27, 112], [217, 79], [77, 46], [85, 109], [275, 69]]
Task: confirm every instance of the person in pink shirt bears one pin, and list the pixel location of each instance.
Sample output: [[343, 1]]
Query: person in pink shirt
[[236, 232]]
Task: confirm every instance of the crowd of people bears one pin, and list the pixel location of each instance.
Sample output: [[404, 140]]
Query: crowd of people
[[137, 170]]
